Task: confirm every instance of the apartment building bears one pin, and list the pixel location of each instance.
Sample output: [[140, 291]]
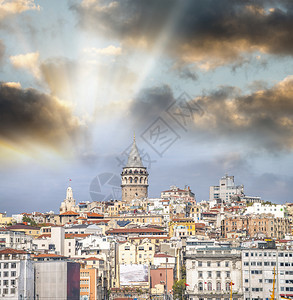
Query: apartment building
[[255, 225], [258, 267], [16, 274], [226, 189]]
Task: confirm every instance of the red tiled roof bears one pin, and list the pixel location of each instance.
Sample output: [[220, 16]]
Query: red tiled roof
[[43, 255], [95, 221], [12, 251], [162, 255], [135, 230], [22, 226], [92, 258], [72, 235], [69, 213], [199, 225], [45, 235], [174, 191], [94, 215]]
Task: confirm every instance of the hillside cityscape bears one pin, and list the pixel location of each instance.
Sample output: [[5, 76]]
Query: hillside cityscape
[[233, 246]]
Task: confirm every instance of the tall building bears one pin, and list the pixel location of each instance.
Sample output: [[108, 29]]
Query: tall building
[[69, 202], [134, 177], [226, 190]]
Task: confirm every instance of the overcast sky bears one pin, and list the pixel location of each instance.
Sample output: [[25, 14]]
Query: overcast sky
[[206, 85]]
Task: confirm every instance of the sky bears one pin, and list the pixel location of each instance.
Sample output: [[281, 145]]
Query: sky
[[206, 86]]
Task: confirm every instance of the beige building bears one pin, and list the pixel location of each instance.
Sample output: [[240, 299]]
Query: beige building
[[141, 219], [131, 253], [4, 220], [255, 225]]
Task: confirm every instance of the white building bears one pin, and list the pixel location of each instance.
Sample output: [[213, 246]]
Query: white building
[[210, 271], [258, 273], [16, 275], [279, 211], [15, 240], [69, 202], [226, 189]]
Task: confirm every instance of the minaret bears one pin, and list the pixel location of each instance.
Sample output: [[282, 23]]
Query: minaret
[[134, 177]]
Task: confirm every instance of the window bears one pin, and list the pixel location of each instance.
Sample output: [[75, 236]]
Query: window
[[227, 286], [5, 274], [209, 274], [208, 263], [6, 265], [13, 265], [200, 263], [218, 264], [218, 286], [13, 273], [228, 274], [199, 274], [210, 286], [226, 264], [218, 274], [200, 286]]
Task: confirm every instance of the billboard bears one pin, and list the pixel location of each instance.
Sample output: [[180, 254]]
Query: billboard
[[134, 274]]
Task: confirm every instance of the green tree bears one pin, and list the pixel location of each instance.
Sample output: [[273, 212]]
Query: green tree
[[179, 289], [29, 221]]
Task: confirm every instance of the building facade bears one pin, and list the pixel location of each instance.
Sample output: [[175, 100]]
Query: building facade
[[226, 189]]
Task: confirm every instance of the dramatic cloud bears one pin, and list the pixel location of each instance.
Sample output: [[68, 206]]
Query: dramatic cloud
[[80, 81], [263, 118], [29, 61], [260, 120], [108, 51], [11, 7], [209, 33], [27, 116]]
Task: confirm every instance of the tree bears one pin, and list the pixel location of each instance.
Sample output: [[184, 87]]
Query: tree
[[29, 221], [178, 289]]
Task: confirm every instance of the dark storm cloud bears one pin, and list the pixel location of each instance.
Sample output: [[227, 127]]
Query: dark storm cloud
[[209, 32], [263, 118], [149, 104], [260, 120], [28, 115], [187, 73]]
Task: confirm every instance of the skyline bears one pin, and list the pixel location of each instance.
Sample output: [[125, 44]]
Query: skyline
[[78, 78]]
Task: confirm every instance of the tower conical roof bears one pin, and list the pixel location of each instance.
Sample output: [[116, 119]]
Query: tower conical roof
[[134, 160]]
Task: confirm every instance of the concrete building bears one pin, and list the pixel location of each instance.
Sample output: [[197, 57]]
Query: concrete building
[[57, 280], [210, 271], [225, 190], [258, 273], [16, 275], [277, 210], [134, 177]]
